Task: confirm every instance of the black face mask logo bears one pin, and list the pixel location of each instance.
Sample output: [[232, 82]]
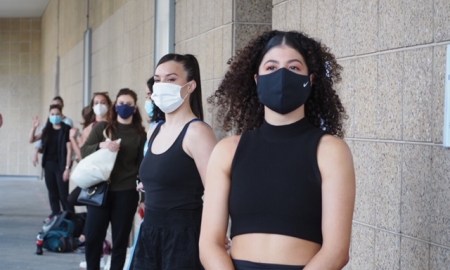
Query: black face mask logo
[[283, 91]]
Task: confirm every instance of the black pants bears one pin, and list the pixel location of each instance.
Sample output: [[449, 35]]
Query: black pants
[[119, 210], [168, 240], [73, 197], [247, 265], [58, 190]]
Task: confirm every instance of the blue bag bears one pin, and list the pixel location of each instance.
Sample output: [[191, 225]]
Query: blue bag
[[59, 235]]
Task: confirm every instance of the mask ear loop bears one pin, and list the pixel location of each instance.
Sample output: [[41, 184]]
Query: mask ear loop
[[188, 92], [311, 78]]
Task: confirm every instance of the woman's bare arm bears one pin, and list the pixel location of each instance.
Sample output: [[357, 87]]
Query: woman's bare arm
[[213, 250], [338, 199]]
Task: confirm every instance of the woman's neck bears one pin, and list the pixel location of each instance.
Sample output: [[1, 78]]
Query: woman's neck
[[180, 117], [100, 118], [277, 119]]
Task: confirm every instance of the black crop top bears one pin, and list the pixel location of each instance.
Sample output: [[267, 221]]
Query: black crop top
[[171, 179], [276, 183]]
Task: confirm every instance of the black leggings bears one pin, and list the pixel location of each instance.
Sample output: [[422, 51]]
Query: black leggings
[[119, 210], [58, 189], [247, 265]]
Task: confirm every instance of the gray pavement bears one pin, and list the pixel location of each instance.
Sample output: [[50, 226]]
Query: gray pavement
[[23, 206]]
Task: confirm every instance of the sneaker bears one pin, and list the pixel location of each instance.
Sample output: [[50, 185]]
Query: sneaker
[[48, 223], [48, 219]]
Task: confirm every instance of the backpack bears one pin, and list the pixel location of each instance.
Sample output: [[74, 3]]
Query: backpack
[[59, 241], [58, 234]]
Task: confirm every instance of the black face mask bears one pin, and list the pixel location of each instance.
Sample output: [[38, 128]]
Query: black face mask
[[283, 91]]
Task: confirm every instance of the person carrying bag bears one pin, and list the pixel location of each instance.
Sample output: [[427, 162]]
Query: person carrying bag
[[92, 175], [122, 198]]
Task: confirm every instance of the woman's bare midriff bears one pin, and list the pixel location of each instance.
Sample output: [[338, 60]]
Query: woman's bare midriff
[[273, 248]]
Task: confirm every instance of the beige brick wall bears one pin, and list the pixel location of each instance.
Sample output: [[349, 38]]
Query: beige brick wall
[[393, 54], [20, 90], [122, 48], [213, 30]]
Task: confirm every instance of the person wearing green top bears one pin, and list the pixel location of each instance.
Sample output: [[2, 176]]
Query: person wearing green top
[[122, 197]]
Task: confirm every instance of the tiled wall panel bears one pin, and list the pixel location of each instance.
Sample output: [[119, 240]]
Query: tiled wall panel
[[393, 55]]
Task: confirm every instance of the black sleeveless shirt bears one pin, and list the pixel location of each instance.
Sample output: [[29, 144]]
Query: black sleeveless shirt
[[171, 179], [276, 182]]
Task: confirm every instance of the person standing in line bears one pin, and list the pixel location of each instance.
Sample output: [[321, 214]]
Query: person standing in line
[[122, 198], [173, 169], [286, 179], [56, 158], [59, 101], [155, 115], [55, 101], [76, 136], [97, 111]]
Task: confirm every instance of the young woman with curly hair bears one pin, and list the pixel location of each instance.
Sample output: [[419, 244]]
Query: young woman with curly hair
[[286, 179]]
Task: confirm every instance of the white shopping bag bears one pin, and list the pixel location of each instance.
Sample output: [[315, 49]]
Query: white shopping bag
[[94, 168]]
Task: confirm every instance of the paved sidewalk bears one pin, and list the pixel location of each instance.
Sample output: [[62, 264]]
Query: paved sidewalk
[[23, 206]]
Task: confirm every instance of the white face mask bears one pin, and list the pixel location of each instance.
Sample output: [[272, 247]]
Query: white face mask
[[167, 96], [100, 109]]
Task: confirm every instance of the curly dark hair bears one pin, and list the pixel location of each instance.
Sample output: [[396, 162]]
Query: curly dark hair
[[111, 127], [236, 101]]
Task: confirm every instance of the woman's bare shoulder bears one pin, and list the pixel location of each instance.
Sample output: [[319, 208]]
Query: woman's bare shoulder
[[333, 143], [199, 127], [227, 146]]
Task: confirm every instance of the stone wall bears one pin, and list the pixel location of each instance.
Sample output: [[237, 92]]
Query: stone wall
[[393, 54]]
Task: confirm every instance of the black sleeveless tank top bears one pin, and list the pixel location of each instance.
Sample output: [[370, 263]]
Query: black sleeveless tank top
[[276, 183], [171, 179]]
